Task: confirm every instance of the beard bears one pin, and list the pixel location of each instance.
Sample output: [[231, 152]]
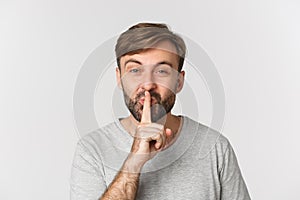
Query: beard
[[158, 110]]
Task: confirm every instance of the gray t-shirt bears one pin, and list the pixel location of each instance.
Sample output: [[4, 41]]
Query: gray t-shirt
[[201, 164]]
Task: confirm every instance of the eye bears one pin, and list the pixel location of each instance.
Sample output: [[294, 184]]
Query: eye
[[163, 70], [134, 70]]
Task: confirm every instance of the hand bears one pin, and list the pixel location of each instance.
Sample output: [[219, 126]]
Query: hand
[[150, 138]]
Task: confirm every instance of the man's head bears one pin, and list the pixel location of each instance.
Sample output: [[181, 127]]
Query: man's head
[[143, 36], [150, 57]]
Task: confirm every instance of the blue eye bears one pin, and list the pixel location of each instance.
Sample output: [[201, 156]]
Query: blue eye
[[162, 71], [134, 70]]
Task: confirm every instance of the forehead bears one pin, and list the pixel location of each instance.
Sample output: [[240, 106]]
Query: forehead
[[166, 45], [163, 51]]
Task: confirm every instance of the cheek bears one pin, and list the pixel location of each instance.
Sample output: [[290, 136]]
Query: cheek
[[166, 93], [169, 88], [169, 83], [130, 88]]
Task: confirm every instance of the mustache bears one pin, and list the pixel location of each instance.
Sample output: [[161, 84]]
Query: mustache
[[153, 94]]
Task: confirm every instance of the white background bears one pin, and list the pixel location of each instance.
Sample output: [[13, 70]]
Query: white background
[[254, 44]]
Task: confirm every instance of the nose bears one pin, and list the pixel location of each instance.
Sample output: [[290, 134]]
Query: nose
[[148, 82], [149, 86]]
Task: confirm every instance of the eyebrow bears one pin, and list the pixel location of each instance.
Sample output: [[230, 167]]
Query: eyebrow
[[164, 63], [132, 60], [138, 62]]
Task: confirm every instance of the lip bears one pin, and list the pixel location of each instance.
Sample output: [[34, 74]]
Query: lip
[[142, 100]]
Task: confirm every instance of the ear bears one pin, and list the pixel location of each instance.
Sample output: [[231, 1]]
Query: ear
[[180, 81], [118, 77]]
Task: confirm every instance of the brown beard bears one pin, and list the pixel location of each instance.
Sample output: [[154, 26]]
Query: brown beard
[[158, 110]]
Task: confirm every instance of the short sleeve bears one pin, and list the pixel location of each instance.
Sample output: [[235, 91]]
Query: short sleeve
[[232, 183], [87, 174]]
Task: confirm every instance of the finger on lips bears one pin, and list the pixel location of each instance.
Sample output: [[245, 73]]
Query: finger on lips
[[146, 115], [147, 124]]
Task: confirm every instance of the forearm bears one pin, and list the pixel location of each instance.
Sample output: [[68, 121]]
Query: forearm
[[148, 139], [125, 184]]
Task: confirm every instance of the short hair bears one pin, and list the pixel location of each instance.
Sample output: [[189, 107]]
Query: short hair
[[143, 36]]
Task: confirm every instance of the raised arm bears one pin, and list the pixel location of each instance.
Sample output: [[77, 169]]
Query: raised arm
[[149, 139]]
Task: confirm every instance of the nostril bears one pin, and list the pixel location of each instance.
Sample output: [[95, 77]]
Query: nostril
[[148, 85]]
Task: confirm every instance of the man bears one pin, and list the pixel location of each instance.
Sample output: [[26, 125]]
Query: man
[[153, 154]]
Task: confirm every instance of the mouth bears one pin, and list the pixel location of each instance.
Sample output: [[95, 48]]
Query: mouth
[[153, 101]]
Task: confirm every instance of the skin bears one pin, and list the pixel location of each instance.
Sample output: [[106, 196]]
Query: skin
[[149, 137]]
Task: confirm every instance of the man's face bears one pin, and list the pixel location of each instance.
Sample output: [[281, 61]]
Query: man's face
[[154, 70]]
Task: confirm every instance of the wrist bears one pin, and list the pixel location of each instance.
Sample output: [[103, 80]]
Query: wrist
[[132, 164]]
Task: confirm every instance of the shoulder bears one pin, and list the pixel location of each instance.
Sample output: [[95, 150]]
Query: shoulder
[[109, 137], [98, 136], [205, 138], [99, 132]]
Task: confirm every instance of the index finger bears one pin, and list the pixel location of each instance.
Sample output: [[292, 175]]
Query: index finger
[[146, 115]]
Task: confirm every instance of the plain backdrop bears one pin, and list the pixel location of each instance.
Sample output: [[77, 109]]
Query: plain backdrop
[[254, 45]]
